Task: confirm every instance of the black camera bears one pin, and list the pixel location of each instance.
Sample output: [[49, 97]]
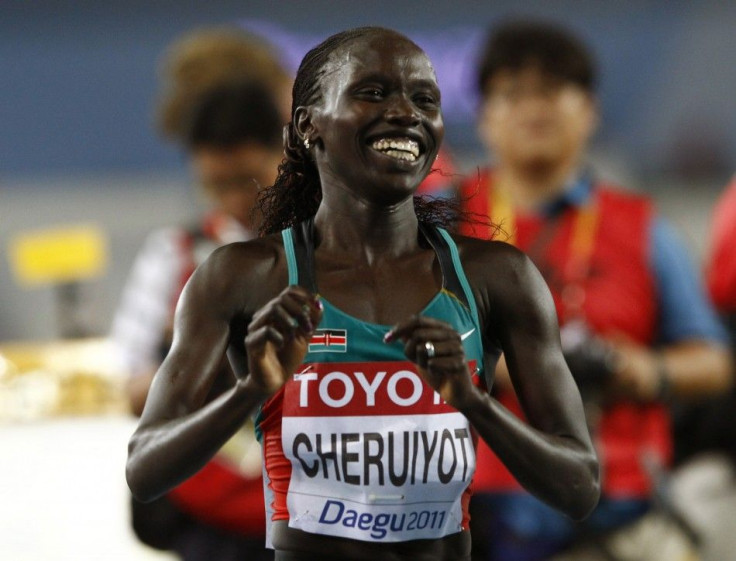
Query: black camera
[[591, 360]]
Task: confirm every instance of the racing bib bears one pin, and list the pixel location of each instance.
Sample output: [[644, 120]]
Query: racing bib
[[376, 454]]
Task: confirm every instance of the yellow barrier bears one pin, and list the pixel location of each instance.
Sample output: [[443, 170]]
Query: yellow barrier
[[59, 255]]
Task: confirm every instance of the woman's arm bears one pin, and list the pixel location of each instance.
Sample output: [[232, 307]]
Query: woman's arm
[[552, 456], [178, 433]]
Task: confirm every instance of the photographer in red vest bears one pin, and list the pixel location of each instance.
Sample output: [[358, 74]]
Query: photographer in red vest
[[636, 326]]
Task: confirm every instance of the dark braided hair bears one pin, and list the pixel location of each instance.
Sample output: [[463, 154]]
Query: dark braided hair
[[297, 192]]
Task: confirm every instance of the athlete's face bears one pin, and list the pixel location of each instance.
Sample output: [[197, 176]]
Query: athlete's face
[[378, 126], [530, 118], [233, 176]]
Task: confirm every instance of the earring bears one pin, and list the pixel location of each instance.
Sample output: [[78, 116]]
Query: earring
[[306, 142]]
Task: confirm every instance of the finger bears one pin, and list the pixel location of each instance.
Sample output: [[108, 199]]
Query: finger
[[298, 292], [282, 320], [445, 370], [404, 329], [255, 341], [288, 314], [300, 311], [424, 351], [303, 305], [441, 342], [446, 365], [422, 354], [274, 315], [302, 295]]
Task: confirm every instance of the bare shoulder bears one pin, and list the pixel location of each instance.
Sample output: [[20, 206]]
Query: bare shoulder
[[240, 277], [502, 277], [493, 264]]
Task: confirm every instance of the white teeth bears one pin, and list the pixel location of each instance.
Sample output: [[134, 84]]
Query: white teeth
[[399, 155], [400, 148]]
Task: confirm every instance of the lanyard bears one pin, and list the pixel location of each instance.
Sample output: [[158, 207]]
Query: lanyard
[[582, 243]]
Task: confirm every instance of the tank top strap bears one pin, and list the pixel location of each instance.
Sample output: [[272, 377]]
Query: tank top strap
[[453, 274], [299, 249]]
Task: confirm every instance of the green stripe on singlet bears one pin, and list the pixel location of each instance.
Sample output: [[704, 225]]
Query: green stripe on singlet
[[461, 274], [290, 256]]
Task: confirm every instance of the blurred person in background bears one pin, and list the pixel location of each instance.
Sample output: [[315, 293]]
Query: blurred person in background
[[222, 103], [202, 58], [721, 266], [710, 425], [705, 431], [636, 326]]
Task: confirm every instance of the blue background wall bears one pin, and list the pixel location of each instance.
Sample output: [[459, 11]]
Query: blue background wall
[[78, 78]]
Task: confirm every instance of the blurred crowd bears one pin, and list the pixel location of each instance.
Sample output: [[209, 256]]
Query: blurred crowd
[[648, 337]]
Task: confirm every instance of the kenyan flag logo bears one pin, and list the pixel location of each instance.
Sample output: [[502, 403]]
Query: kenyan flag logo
[[329, 340]]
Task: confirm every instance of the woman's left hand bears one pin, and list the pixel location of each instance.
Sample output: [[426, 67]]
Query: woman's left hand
[[437, 349]]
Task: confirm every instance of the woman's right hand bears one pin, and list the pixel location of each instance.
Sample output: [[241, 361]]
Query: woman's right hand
[[278, 337]]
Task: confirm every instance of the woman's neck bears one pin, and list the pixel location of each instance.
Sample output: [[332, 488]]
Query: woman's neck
[[350, 225]]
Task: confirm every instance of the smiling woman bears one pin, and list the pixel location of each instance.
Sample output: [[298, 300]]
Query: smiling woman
[[376, 105], [343, 323]]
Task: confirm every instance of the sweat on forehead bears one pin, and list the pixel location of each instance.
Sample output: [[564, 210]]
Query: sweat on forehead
[[374, 37], [330, 53]]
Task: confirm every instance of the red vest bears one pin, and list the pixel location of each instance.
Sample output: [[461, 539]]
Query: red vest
[[721, 271], [620, 299], [222, 497]]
